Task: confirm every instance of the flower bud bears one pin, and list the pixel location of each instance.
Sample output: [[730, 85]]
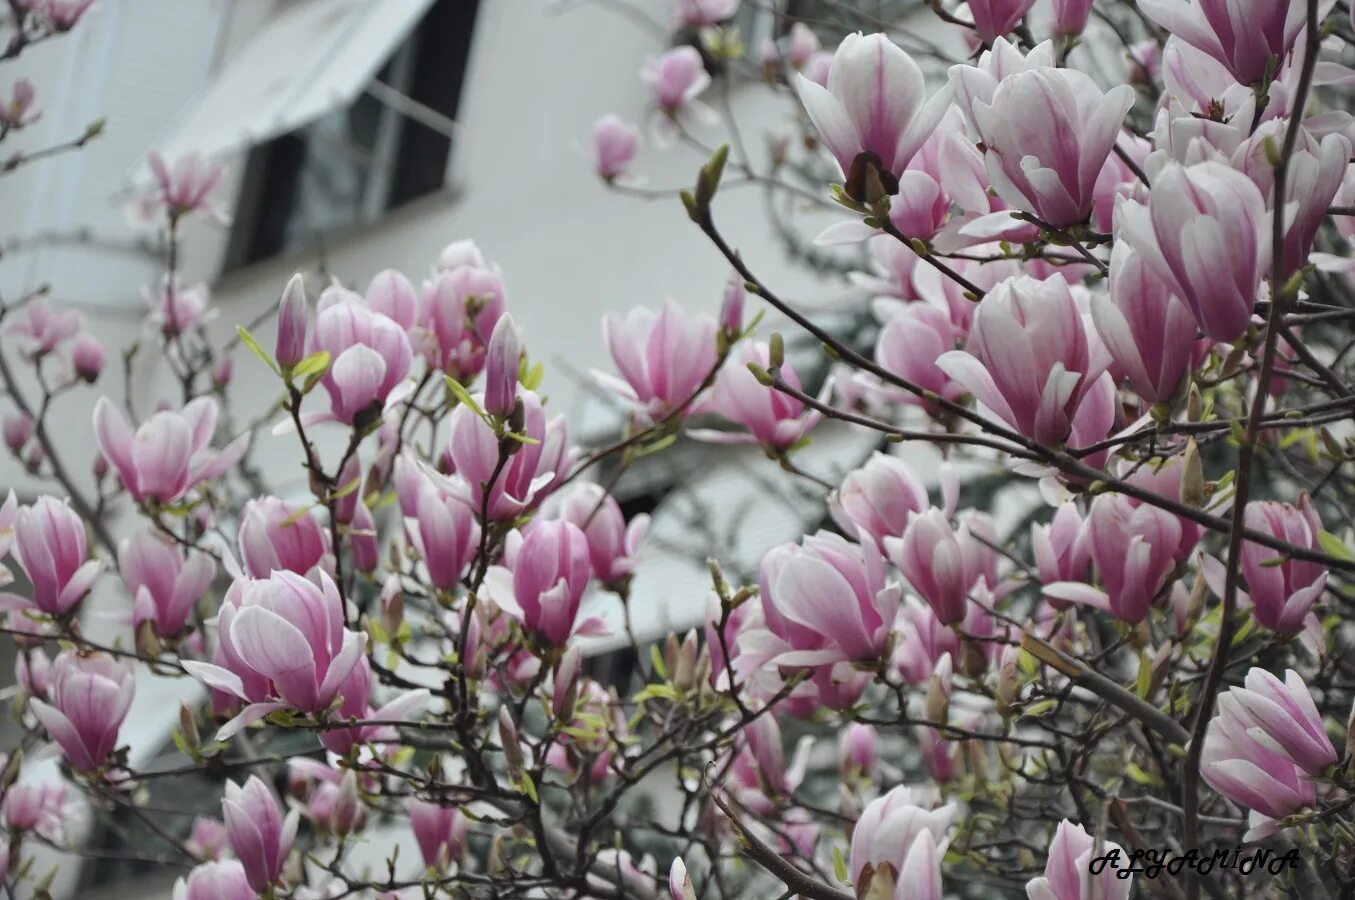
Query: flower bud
[[87, 357], [501, 368], [291, 344], [17, 428]]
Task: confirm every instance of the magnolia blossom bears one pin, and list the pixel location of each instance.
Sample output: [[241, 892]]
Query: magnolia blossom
[[20, 109], [223, 879], [17, 429], [773, 418], [283, 644], [165, 582], [827, 600], [534, 469], [259, 835], [186, 184], [1060, 548], [1131, 547], [1263, 745], [1147, 329], [613, 545], [38, 807], [208, 839], [276, 535], [543, 581], [1067, 872], [858, 750], [49, 545], [663, 358], [439, 829], [1205, 231], [995, 18], [1282, 589], [174, 307], [911, 343], [894, 831], [167, 455], [441, 528], [615, 144], [1029, 358], [87, 357], [873, 113], [42, 328], [1070, 17], [676, 79], [392, 295], [370, 356], [1046, 133], [461, 306], [1248, 39], [86, 702], [879, 498]]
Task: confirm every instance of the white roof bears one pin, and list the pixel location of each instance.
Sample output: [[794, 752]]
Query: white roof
[[314, 57]]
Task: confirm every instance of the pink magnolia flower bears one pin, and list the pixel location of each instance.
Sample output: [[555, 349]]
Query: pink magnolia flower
[[1250, 745], [1049, 171], [1067, 873], [858, 751], [32, 670], [879, 498], [1165, 480], [1132, 548], [86, 703], [165, 583], [676, 78], [275, 535], [439, 829], [17, 429], [290, 348], [63, 14], [502, 357], [21, 108], [217, 880], [911, 343], [874, 110], [772, 418], [186, 185], [441, 527], [41, 328], [1147, 329], [679, 882], [405, 707], [1070, 17], [174, 307], [334, 806], [391, 294], [534, 469], [704, 13], [1316, 170], [921, 642], [663, 358], [1060, 548], [543, 580], [208, 840], [995, 18], [87, 357], [938, 753], [38, 807], [1282, 590], [615, 144], [613, 545], [1029, 358], [941, 563], [285, 646], [895, 831], [461, 306], [370, 356], [1205, 230], [827, 600], [49, 545], [167, 455], [259, 835], [1246, 39]]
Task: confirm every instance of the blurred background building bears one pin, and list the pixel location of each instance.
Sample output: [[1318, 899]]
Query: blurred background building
[[367, 134]]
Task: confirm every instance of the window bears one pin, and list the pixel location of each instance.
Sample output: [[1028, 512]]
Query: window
[[351, 166]]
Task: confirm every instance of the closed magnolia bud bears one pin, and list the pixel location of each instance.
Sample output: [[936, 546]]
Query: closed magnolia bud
[[223, 371], [684, 665], [392, 606], [87, 357], [147, 641], [1008, 681], [937, 707], [34, 458], [731, 309], [17, 428], [508, 737], [501, 368], [1192, 476], [292, 317], [347, 806], [1194, 404], [566, 690], [188, 727]]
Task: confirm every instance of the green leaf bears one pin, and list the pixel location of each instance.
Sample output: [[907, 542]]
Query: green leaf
[[1334, 546], [662, 443], [463, 396], [252, 344], [1036, 709], [521, 438], [529, 787], [530, 376], [1134, 771], [656, 657], [840, 867], [1145, 679], [316, 363]]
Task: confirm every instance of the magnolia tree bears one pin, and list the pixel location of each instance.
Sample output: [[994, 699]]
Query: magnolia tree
[[1134, 296]]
